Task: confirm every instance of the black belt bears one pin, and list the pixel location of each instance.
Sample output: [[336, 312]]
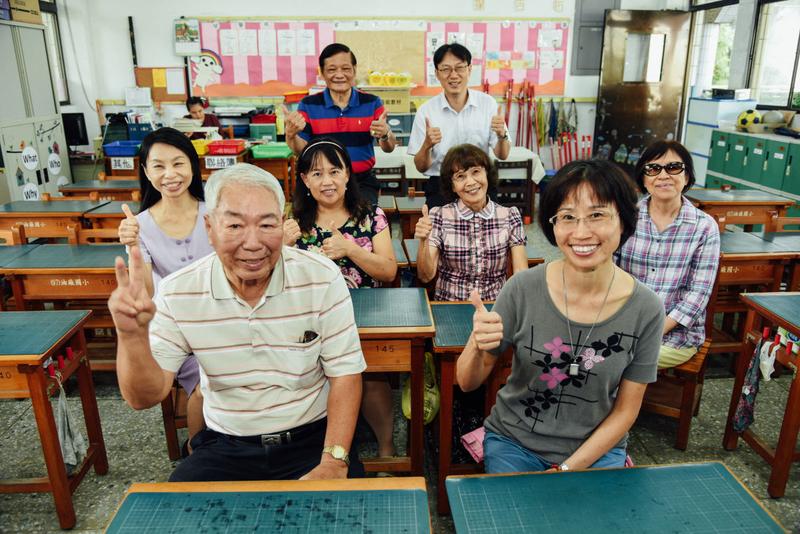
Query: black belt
[[282, 438]]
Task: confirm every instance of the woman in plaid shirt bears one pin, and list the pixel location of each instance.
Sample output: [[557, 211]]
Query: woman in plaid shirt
[[675, 250], [468, 242]]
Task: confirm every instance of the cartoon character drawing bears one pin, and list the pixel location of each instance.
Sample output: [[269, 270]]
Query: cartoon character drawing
[[207, 68]]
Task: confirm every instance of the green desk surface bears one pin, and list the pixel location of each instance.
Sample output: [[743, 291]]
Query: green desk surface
[[68, 257], [12, 252], [786, 241], [745, 243], [390, 307], [113, 207], [735, 195], [35, 332], [77, 207], [101, 185], [405, 204], [453, 324], [785, 305], [677, 498], [399, 253], [378, 511], [387, 203], [412, 249]]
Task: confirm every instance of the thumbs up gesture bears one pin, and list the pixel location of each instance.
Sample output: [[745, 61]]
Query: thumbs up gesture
[[337, 245], [499, 122], [293, 122], [379, 127], [128, 229], [291, 232], [487, 327], [433, 135], [424, 225]]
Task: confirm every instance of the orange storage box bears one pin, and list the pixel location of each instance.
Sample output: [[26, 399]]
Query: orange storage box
[[229, 147]]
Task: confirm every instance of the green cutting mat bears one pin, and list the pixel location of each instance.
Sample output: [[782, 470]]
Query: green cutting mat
[[69, 257], [677, 498], [101, 185], [785, 305], [314, 512], [390, 307], [40, 206], [453, 323], [11, 252], [786, 241], [34, 332], [115, 206], [399, 253], [410, 204], [745, 243], [741, 195]]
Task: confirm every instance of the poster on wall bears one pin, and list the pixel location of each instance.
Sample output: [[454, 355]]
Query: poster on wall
[[187, 37]]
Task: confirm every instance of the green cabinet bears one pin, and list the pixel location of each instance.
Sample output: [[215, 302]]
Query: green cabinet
[[755, 155], [734, 163], [719, 151], [777, 155], [791, 175], [712, 182]]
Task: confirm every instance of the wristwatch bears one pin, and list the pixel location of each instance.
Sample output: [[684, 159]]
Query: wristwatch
[[563, 467], [385, 137], [338, 452], [503, 137]]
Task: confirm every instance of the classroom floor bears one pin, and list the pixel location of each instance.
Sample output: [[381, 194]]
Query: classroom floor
[[137, 451]]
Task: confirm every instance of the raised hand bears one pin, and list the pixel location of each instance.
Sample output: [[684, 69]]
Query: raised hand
[[424, 225], [499, 122], [131, 307], [379, 127], [291, 232], [337, 245], [293, 122], [128, 230], [487, 327], [433, 135]]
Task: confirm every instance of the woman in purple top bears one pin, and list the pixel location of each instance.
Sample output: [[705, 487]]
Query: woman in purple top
[[170, 229]]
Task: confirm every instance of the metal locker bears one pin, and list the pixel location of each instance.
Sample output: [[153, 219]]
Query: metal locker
[[755, 154], [734, 163], [791, 175], [777, 154], [718, 152]]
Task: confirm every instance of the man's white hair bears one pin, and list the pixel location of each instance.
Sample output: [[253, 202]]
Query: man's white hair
[[243, 174]]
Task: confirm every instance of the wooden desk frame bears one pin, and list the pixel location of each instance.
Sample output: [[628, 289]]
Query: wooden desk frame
[[24, 376], [784, 454]]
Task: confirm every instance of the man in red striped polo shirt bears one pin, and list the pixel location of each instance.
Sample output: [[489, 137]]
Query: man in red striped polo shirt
[[344, 113]]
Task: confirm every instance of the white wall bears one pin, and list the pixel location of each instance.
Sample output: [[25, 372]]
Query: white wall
[[104, 53]]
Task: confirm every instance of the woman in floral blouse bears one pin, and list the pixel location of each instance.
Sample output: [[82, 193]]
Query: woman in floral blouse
[[330, 217]]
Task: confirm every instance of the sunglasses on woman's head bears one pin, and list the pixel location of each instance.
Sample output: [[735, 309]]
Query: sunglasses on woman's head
[[673, 167]]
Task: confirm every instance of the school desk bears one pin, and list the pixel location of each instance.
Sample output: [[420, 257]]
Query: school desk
[[303, 506], [387, 204], [66, 273], [45, 218], [399, 254], [772, 309], [7, 254], [453, 322], [789, 242], [740, 206], [109, 215], [702, 497], [28, 342], [107, 189], [393, 324], [410, 210], [210, 163]]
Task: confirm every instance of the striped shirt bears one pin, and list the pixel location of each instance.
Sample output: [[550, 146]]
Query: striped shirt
[[349, 126], [473, 248], [258, 374], [679, 264]]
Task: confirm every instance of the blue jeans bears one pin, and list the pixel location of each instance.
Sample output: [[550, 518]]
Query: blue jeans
[[505, 455]]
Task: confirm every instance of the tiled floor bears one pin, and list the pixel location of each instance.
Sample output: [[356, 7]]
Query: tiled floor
[[137, 453]]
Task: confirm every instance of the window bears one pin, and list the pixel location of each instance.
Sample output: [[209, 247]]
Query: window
[[55, 57], [713, 41], [776, 55]]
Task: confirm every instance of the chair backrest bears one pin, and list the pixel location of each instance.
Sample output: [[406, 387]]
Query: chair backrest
[[779, 224], [92, 236], [13, 236], [93, 196], [514, 169], [390, 172]]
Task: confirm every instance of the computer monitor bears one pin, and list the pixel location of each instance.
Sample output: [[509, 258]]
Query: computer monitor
[[75, 129]]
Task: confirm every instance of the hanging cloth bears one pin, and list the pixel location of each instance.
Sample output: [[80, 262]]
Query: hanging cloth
[[553, 130], [744, 416], [73, 445]]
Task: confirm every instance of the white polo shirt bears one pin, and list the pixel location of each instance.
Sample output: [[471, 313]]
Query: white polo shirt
[[257, 375], [473, 124]]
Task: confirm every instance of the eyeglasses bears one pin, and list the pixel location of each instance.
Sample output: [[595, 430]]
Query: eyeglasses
[[568, 221], [344, 70], [463, 175], [672, 168], [446, 70]]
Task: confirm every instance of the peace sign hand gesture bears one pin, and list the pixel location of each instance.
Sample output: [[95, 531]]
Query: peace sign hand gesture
[[131, 307]]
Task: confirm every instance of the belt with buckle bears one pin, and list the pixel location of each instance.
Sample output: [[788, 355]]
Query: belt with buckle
[[282, 438]]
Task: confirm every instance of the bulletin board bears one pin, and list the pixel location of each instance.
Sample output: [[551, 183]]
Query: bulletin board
[[247, 58], [167, 84]]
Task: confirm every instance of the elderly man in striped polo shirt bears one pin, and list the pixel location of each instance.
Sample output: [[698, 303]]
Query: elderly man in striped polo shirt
[[274, 334], [350, 116]]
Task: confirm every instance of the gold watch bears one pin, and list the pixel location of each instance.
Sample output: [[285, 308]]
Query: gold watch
[[338, 452]]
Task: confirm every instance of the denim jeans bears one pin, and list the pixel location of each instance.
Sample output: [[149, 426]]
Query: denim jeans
[[505, 455]]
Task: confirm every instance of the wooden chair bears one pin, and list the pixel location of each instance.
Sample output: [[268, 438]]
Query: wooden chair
[[94, 196], [516, 191], [392, 175], [13, 236], [92, 236], [173, 410]]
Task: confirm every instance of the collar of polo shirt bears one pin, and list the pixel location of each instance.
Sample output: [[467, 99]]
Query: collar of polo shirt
[[221, 288], [467, 214]]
